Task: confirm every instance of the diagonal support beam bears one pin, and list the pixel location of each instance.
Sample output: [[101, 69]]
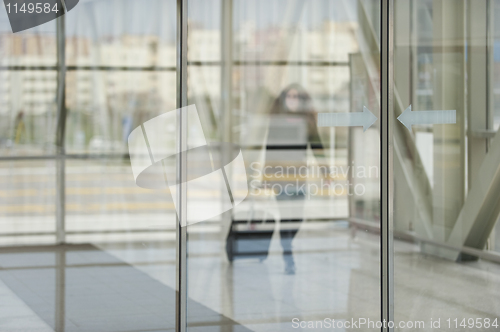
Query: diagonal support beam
[[481, 209]]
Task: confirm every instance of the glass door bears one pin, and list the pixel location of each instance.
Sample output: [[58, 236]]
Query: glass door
[[317, 164], [287, 96], [446, 165]]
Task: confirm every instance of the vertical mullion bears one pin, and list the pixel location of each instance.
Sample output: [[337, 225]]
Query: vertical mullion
[[225, 118], [490, 17], [181, 169], [60, 130], [386, 136], [60, 303], [225, 131]]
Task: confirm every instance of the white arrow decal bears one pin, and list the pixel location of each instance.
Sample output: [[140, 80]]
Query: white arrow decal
[[365, 119], [409, 118]]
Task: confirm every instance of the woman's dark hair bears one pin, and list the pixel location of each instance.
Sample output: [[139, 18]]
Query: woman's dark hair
[[305, 108], [279, 105]]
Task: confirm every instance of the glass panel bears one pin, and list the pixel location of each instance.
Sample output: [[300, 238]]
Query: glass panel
[[27, 208], [132, 253], [121, 72], [129, 99], [103, 205], [298, 238], [28, 112], [27, 95], [446, 162], [116, 271]]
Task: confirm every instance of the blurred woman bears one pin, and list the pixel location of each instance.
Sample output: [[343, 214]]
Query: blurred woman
[[292, 127]]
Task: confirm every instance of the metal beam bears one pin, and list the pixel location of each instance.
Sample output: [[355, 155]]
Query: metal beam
[[225, 130], [477, 85], [225, 126], [481, 209], [60, 130], [60, 286], [386, 160], [480, 88], [181, 168], [448, 42]]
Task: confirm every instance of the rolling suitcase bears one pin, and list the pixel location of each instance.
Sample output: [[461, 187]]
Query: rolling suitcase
[[250, 238]]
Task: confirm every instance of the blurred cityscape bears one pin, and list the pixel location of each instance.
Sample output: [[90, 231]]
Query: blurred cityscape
[[116, 83]]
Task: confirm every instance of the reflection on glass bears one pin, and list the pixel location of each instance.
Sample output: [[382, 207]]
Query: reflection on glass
[[27, 208], [291, 248], [292, 126], [28, 82], [116, 271], [299, 239], [446, 175], [121, 71]]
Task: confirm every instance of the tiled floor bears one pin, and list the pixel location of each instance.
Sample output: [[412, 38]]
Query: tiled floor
[[81, 288], [130, 287]]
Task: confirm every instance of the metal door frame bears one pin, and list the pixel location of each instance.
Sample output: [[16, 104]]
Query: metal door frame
[[386, 166]]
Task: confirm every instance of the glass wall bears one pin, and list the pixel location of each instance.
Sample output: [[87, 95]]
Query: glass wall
[[446, 167], [115, 270], [259, 78], [27, 128], [246, 195]]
